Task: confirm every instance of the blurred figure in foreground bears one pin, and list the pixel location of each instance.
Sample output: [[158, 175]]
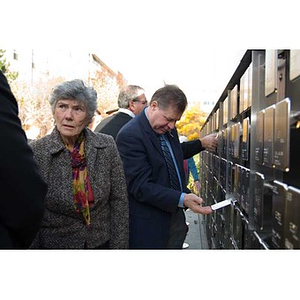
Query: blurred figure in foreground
[[22, 188]]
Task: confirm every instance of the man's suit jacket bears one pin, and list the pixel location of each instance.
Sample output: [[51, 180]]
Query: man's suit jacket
[[151, 199], [112, 124], [22, 188]]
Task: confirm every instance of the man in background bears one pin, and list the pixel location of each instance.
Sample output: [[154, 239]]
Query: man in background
[[131, 101]]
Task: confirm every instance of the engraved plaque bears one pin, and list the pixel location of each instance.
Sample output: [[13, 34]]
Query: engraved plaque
[[268, 136], [242, 86], [230, 173], [282, 135], [243, 188], [233, 102], [238, 229], [216, 165], [224, 137], [271, 71], [231, 139], [246, 90], [294, 64], [250, 72], [247, 190], [238, 171], [236, 140], [217, 119], [236, 185], [215, 188], [278, 211], [223, 173], [245, 139], [210, 184], [225, 111], [227, 140], [292, 221], [259, 134], [258, 199]]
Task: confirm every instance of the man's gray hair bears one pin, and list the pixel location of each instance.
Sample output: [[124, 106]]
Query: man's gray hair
[[129, 93]]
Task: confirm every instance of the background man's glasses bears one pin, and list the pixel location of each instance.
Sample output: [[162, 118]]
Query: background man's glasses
[[143, 102]]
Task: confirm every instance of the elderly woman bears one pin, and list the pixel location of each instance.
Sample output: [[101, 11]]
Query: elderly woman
[[86, 203]]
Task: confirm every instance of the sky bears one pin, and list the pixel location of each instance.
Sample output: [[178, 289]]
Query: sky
[[193, 45], [202, 75]]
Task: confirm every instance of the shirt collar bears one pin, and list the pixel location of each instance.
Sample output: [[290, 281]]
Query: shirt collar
[[127, 111]]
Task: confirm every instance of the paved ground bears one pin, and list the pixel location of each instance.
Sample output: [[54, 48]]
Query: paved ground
[[196, 237]]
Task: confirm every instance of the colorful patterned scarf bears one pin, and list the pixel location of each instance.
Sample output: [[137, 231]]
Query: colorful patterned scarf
[[82, 192]]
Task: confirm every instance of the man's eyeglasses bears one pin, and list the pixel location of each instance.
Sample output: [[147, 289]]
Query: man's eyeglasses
[[143, 102]]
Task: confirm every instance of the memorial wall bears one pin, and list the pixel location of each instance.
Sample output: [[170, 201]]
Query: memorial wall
[[257, 162]]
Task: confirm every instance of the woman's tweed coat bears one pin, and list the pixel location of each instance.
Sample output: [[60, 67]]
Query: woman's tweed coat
[[63, 227]]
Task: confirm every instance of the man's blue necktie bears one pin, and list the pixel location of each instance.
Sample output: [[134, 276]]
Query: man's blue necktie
[[170, 164]]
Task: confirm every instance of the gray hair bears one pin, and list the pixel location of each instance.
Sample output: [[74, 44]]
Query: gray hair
[[77, 90], [129, 93], [170, 95]]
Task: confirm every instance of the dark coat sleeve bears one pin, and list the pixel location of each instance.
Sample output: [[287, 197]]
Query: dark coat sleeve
[[22, 189], [191, 148]]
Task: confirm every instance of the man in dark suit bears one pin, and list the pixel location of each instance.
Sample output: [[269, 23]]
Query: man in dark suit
[[156, 204], [22, 188], [131, 101]]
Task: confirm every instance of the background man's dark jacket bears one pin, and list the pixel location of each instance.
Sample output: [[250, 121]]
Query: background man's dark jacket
[[112, 124]]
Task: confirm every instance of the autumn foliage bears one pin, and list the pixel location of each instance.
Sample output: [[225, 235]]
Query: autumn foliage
[[34, 107], [108, 89], [189, 125], [32, 92], [191, 122]]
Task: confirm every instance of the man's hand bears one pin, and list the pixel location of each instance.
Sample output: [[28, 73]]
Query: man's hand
[[195, 204], [210, 142]]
